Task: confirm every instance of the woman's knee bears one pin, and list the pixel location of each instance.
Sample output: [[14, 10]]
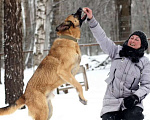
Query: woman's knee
[[133, 114], [111, 116]]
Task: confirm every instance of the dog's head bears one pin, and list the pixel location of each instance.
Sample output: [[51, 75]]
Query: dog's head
[[72, 22]]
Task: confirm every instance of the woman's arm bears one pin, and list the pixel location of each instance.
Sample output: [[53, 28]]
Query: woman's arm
[[107, 45]]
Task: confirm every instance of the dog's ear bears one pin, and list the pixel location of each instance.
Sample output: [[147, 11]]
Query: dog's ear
[[64, 26]]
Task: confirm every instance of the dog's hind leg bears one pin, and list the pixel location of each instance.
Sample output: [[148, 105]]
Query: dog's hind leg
[[49, 97], [39, 113], [38, 107], [50, 109], [69, 78]]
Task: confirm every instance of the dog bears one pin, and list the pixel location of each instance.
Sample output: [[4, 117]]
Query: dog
[[57, 68]]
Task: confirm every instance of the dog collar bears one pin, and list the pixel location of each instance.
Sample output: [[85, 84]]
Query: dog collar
[[68, 37]]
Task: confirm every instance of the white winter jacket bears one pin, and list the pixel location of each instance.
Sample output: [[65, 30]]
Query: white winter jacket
[[126, 78]]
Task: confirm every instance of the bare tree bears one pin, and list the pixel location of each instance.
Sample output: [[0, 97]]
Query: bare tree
[[28, 13], [124, 18], [55, 20], [13, 53], [140, 15]]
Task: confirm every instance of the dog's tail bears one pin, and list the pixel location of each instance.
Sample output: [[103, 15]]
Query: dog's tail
[[12, 108]]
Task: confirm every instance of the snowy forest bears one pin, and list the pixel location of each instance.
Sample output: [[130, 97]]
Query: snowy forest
[[27, 30]]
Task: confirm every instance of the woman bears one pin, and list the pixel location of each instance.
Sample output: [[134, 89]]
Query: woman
[[129, 79]]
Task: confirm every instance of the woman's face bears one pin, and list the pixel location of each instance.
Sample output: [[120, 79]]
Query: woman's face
[[134, 42]]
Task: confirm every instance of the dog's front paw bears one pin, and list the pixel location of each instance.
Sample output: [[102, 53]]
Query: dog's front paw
[[84, 102]]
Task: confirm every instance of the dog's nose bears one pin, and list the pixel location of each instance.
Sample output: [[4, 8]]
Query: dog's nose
[[79, 11]]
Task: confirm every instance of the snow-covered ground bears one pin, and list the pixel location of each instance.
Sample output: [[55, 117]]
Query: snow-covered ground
[[67, 106]]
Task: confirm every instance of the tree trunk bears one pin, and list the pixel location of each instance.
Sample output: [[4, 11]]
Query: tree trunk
[[48, 29], [124, 18], [1, 30], [29, 30], [13, 53], [40, 31], [55, 18]]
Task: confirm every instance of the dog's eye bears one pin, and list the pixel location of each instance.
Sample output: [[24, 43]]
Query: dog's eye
[[75, 21]]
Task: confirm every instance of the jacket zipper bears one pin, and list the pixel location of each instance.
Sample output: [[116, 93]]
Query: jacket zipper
[[124, 72], [113, 81], [132, 85]]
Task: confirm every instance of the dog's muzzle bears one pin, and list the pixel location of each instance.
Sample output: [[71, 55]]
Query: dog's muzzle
[[78, 14]]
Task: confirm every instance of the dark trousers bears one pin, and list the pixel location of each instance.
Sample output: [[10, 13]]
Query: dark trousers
[[128, 114]]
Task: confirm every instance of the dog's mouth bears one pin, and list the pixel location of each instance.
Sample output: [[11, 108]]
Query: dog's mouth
[[80, 15]]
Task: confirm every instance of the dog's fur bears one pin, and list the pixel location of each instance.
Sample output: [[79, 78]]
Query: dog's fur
[[57, 68]]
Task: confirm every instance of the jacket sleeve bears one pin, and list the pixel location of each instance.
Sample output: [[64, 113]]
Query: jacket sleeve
[[107, 45], [144, 88]]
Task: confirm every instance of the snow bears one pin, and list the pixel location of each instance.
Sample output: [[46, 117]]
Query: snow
[[67, 106]]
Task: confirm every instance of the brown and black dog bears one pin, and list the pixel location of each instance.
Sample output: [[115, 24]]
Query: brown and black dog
[[57, 68]]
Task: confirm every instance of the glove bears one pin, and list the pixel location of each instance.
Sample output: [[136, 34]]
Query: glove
[[131, 101]]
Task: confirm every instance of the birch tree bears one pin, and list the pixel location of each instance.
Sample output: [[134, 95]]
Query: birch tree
[[40, 31]]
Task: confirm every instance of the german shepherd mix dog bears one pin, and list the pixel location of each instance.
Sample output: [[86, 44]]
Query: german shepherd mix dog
[[57, 68]]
